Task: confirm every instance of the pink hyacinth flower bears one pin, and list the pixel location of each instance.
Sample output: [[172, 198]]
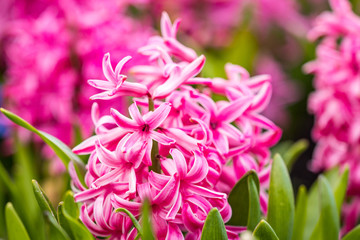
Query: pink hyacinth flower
[[114, 85], [142, 127]]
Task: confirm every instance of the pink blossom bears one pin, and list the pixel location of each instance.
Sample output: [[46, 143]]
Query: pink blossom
[[179, 149]]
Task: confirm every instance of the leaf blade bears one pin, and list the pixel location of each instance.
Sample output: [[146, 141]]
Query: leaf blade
[[353, 234], [15, 228], [244, 201], [328, 225], [300, 214], [61, 150], [214, 227], [42, 199], [281, 207], [264, 231]]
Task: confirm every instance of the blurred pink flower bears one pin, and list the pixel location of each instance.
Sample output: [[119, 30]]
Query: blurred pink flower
[[285, 14], [52, 48], [336, 100]]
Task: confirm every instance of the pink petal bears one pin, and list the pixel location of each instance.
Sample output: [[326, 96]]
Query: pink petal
[[205, 192], [262, 98], [107, 178], [132, 89], [123, 121], [99, 213], [175, 207], [231, 131], [165, 25], [105, 156], [120, 65], [179, 50], [131, 141], [107, 68], [158, 181], [168, 166], [135, 114], [174, 232], [132, 206], [221, 142], [166, 195], [180, 162], [154, 119], [236, 73], [101, 84], [93, 228], [199, 169], [193, 69], [86, 146], [161, 138], [234, 110]]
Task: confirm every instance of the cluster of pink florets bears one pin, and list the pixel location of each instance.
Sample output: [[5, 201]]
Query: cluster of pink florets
[[179, 149], [336, 99]]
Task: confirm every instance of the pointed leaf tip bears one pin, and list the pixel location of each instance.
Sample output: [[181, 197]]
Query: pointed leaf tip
[[264, 231], [244, 201], [15, 228], [42, 199], [214, 228]]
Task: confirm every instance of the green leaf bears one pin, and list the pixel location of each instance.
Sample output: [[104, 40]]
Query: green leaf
[[300, 214], [71, 206], [146, 222], [68, 215], [328, 225], [293, 153], [56, 232], [244, 201], [340, 189], [353, 234], [42, 199], [281, 209], [24, 198], [2, 212], [15, 228], [337, 183], [132, 217], [6, 180], [214, 228], [263, 231], [61, 150], [63, 221]]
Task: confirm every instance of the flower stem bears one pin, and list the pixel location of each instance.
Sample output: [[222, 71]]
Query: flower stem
[[151, 104], [155, 158]]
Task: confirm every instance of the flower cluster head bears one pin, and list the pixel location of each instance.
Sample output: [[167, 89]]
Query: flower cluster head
[[336, 99], [50, 54], [176, 147]]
